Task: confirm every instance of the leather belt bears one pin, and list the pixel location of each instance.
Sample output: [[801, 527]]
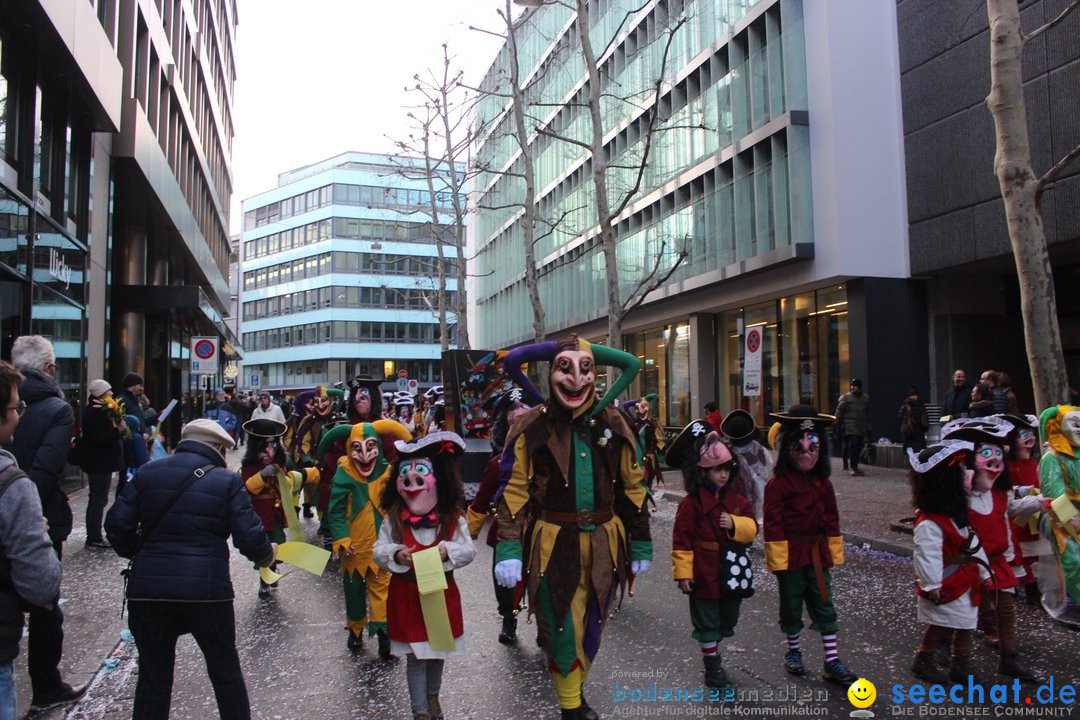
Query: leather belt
[[707, 545], [815, 557], [581, 517]]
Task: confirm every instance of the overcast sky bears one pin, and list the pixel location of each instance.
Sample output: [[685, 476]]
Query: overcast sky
[[325, 76]]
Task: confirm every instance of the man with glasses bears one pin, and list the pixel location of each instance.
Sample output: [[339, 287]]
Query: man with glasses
[[40, 446]]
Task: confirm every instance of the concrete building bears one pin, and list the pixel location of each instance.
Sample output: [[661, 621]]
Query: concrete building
[[339, 266], [783, 179], [115, 178]]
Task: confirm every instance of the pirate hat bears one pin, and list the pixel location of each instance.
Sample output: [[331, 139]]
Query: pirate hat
[[991, 429], [264, 428], [738, 426], [803, 417], [683, 445], [934, 455], [443, 443], [1018, 421]]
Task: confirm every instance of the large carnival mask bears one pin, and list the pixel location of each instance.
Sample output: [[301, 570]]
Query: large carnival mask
[[1025, 443], [364, 453], [573, 378], [266, 455], [989, 464], [806, 451], [1070, 428], [320, 405], [416, 485], [643, 409], [362, 401]]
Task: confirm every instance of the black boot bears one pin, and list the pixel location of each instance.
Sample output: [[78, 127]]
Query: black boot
[[715, 676], [356, 642], [384, 645], [584, 712], [1011, 666], [1033, 595], [508, 634], [926, 669], [960, 670]]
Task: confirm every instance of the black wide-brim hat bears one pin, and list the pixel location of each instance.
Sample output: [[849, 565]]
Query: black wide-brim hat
[[264, 428], [676, 453], [990, 429], [738, 425], [803, 417], [1018, 421]]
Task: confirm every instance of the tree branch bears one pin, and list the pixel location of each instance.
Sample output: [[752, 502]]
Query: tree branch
[[1040, 30], [648, 283], [1052, 173], [556, 136]]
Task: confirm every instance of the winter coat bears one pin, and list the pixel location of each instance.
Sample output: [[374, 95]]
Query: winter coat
[[41, 444], [101, 449], [801, 519], [698, 544], [853, 414], [29, 567], [186, 558], [957, 401], [913, 419]]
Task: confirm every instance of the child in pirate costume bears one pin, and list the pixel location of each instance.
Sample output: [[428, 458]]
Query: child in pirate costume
[[304, 439], [950, 564], [422, 507], [802, 536], [714, 526], [990, 505], [261, 470], [353, 518], [572, 506], [506, 408]]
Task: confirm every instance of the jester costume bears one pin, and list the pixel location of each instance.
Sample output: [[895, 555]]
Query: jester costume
[[353, 519], [1059, 473], [572, 516], [650, 437], [306, 433]]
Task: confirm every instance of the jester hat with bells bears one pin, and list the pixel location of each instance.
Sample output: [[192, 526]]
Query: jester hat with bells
[[1050, 428], [300, 402], [548, 351], [375, 462]]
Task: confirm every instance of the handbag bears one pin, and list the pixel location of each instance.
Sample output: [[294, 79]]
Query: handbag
[[736, 569], [147, 529]]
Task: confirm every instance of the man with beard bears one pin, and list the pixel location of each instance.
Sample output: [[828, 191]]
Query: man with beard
[[573, 462], [802, 536]]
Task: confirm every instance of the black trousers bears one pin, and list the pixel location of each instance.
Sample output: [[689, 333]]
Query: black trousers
[[45, 644], [853, 450], [156, 627]]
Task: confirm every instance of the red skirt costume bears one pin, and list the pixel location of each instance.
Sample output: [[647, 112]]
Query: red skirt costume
[[404, 618], [993, 531]]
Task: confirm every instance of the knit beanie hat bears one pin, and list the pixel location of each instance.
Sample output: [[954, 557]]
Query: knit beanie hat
[[98, 388], [131, 379]]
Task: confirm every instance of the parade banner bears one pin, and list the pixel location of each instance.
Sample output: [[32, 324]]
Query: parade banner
[[471, 381]]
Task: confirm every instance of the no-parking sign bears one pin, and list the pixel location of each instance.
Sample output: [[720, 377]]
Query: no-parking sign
[[752, 362], [204, 355]]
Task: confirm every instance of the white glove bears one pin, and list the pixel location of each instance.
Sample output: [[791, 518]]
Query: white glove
[[508, 573], [640, 567]]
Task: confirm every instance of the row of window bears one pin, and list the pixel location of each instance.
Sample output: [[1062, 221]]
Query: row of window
[[343, 194], [345, 262], [353, 228], [344, 331], [339, 296]]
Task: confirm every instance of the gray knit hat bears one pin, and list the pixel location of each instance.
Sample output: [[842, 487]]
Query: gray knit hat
[[98, 388]]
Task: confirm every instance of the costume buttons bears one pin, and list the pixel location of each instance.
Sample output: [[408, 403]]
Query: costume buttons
[[584, 454]]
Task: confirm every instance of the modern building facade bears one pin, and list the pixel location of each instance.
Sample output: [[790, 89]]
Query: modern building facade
[[780, 174], [339, 275], [115, 180]]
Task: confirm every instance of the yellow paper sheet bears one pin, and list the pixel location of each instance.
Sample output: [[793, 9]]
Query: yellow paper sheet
[[429, 571], [1065, 511], [304, 556], [268, 576], [296, 533]]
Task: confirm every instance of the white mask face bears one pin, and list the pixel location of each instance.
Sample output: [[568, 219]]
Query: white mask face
[[1070, 428]]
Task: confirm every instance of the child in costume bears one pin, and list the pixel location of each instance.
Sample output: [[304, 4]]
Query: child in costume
[[1024, 473], [506, 409], [573, 497], [755, 461], [802, 536], [714, 526], [263, 465], [1059, 475], [354, 517], [950, 564], [989, 506], [423, 511]]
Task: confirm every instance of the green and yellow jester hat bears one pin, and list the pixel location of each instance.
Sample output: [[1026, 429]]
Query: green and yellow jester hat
[[572, 378], [1050, 428], [370, 461]]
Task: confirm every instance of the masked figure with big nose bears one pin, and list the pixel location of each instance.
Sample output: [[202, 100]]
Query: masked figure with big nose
[[353, 518], [1059, 473], [572, 518]]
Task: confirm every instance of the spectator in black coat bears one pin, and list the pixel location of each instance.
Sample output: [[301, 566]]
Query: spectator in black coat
[[180, 581], [101, 454], [914, 421], [958, 399], [40, 445]]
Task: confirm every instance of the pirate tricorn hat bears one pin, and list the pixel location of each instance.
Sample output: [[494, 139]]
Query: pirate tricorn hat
[[803, 417], [681, 447], [264, 428]]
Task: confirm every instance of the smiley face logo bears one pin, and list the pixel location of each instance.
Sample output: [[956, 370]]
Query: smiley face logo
[[862, 693]]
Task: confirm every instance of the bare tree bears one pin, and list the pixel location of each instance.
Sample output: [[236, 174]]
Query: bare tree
[[1021, 191]]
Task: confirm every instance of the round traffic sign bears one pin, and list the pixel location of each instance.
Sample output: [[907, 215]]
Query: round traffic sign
[[753, 340], [204, 349], [403, 373]]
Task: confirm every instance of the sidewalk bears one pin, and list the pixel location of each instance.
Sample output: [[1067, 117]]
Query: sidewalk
[[868, 505]]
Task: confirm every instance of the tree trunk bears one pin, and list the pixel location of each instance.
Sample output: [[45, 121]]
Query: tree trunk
[[1012, 165], [528, 220]]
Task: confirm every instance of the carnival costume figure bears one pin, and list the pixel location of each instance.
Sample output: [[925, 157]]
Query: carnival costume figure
[[423, 511], [950, 564], [572, 516], [755, 461], [990, 505], [650, 437], [1023, 466], [353, 519], [304, 439], [1059, 474], [802, 536], [265, 473], [714, 526]]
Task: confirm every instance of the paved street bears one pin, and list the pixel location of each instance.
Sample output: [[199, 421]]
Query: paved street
[[292, 645]]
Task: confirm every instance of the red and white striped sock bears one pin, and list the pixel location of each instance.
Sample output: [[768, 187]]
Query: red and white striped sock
[[709, 648], [828, 641], [793, 642]]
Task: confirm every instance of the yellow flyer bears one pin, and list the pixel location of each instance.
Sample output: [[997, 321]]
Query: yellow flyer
[[431, 582]]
